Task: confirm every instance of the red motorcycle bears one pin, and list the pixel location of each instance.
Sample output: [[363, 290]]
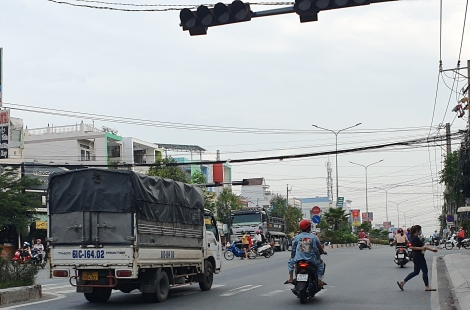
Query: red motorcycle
[[18, 259]]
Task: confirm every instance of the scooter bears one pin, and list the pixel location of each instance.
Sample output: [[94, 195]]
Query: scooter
[[410, 252], [37, 258], [363, 244], [306, 282], [401, 255], [449, 245], [17, 259], [232, 252], [265, 250]]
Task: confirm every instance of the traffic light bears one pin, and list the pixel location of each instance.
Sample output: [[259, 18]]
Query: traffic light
[[308, 9], [197, 22]]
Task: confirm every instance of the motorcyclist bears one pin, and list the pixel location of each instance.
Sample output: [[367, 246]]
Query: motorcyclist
[[460, 237], [364, 236], [38, 246], [400, 238], [435, 236], [306, 247], [258, 238], [408, 234], [26, 250]]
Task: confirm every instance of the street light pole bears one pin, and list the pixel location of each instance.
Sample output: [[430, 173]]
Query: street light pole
[[366, 166], [336, 153], [398, 213], [404, 214]]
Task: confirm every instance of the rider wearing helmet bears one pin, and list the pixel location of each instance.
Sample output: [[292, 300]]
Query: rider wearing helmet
[[26, 250], [258, 238], [364, 236], [400, 238], [38, 246], [307, 247]]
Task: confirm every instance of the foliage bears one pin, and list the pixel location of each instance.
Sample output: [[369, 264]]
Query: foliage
[[169, 172], [279, 206], [338, 237], [292, 215], [335, 217], [450, 176], [198, 177], [210, 199], [18, 275], [18, 207], [225, 204], [366, 226]]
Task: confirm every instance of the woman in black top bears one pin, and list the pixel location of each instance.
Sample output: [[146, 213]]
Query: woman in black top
[[418, 248]]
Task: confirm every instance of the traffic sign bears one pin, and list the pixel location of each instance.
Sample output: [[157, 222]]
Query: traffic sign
[[450, 218], [316, 210], [340, 202], [316, 219]]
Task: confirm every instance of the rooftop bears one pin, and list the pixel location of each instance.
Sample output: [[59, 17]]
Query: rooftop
[[181, 147]]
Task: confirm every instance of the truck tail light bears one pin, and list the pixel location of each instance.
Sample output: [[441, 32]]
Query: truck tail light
[[60, 273], [124, 273]]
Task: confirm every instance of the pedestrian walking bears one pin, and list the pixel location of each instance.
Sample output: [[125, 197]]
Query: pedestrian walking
[[418, 248]]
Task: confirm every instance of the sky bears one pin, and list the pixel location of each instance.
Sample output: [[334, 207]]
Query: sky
[[377, 65]]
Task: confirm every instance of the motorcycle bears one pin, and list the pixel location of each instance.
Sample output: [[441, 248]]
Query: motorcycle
[[37, 258], [410, 252], [401, 255], [265, 250], [234, 251], [466, 243], [390, 242], [449, 245], [306, 282], [17, 259], [435, 241], [362, 244]]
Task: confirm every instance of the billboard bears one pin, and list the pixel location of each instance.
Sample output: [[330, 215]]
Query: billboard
[[1, 74], [355, 216], [4, 133], [367, 217]]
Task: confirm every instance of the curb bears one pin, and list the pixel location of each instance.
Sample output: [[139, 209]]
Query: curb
[[457, 270], [19, 294]]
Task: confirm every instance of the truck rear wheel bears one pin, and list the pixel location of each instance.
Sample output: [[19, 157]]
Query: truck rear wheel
[[207, 277], [162, 289], [99, 294]]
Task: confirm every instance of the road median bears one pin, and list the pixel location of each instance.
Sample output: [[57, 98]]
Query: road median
[[19, 294]]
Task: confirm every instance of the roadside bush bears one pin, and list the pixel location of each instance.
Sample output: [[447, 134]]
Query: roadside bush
[[16, 275]]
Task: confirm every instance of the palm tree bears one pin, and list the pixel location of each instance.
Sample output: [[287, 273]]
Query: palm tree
[[335, 217]]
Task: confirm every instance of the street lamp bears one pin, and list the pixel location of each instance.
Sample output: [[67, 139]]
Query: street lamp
[[404, 214], [398, 213], [386, 200], [336, 153], [367, 166]]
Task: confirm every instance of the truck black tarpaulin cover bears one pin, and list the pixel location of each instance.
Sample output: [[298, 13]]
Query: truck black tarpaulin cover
[[121, 191]]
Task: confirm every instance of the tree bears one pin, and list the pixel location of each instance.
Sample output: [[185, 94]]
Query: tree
[[451, 175], [366, 226], [168, 172], [17, 206], [198, 177], [335, 217], [225, 204], [293, 216], [210, 199], [278, 205]]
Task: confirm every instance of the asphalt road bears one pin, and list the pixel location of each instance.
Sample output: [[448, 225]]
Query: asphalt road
[[356, 280]]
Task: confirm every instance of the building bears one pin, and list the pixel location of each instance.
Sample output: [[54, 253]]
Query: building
[[256, 193]]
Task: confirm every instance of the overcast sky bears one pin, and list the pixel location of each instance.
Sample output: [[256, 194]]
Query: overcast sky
[[375, 64]]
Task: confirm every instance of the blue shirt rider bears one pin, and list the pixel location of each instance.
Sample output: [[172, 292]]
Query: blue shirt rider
[[307, 247]]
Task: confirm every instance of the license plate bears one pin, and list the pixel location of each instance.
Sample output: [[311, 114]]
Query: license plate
[[89, 276], [401, 255], [302, 277]]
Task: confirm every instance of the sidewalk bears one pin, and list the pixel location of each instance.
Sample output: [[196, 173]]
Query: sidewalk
[[458, 268]]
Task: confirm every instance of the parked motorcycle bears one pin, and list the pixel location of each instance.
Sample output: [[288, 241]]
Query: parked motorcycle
[[233, 251], [362, 244], [17, 259], [306, 282], [37, 258], [401, 255]]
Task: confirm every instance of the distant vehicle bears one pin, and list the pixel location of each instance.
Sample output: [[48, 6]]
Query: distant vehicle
[[253, 218]]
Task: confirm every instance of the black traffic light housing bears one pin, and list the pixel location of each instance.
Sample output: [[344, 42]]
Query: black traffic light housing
[[197, 22], [308, 9]]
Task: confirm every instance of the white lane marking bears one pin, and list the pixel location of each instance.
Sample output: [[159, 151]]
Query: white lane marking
[[38, 302], [272, 293], [241, 289]]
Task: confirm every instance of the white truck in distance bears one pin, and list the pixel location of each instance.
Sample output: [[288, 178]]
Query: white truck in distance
[[121, 230]]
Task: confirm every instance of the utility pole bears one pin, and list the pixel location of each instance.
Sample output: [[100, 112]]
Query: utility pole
[[367, 166], [287, 199], [449, 151]]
